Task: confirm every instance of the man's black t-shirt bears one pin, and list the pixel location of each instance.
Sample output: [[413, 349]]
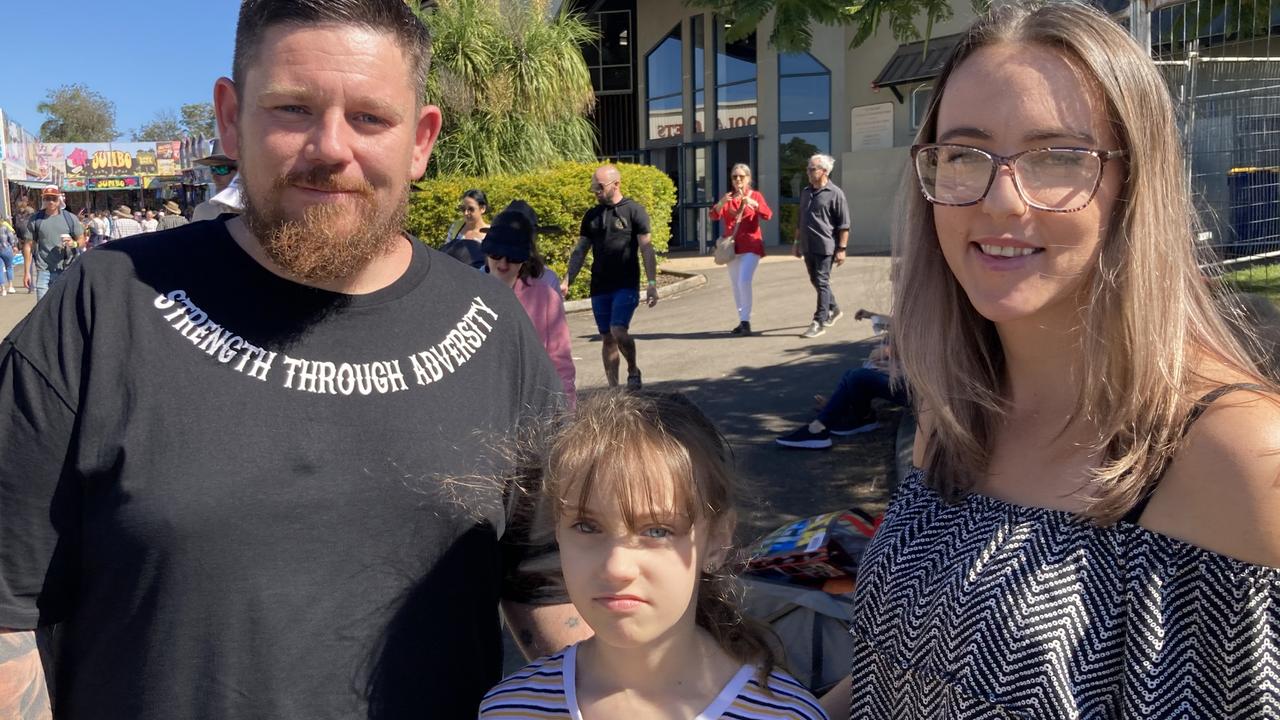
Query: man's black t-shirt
[[232, 491], [613, 231]]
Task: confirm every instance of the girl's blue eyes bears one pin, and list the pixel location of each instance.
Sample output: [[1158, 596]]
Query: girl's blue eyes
[[652, 533]]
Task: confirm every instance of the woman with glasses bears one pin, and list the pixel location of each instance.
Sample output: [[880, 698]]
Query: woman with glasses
[[1092, 526], [742, 209], [463, 239]]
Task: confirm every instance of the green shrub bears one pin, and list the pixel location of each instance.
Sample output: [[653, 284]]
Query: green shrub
[[560, 195]]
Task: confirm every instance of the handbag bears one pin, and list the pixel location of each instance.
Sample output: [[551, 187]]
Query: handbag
[[725, 251]]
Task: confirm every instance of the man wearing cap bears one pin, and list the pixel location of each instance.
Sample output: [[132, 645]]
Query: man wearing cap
[[172, 217], [123, 223], [616, 232], [53, 232], [511, 255], [226, 185], [261, 457]]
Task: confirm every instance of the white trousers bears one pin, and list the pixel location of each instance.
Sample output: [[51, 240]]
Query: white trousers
[[741, 269]]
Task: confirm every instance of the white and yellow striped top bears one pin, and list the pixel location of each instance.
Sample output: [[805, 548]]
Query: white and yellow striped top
[[544, 690]]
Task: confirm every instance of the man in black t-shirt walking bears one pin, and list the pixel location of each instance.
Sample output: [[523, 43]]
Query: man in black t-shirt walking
[[616, 232]]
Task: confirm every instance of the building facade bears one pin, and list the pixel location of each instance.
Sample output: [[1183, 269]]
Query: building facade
[[676, 94]]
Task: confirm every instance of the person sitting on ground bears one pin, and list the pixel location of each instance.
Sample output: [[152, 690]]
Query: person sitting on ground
[[638, 489], [848, 411], [512, 255], [463, 239]]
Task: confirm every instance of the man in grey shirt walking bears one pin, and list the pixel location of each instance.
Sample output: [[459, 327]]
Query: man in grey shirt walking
[[822, 237], [55, 236]]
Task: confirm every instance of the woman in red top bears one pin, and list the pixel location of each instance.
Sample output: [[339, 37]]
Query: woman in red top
[[748, 245]]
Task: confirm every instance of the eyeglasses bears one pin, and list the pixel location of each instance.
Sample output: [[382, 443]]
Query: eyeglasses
[[503, 258], [738, 177], [221, 169], [600, 188], [812, 168], [1049, 179]]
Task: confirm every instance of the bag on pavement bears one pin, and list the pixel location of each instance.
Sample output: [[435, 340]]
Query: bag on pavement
[[815, 548]]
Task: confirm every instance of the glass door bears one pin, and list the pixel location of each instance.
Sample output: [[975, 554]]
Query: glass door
[[697, 195]]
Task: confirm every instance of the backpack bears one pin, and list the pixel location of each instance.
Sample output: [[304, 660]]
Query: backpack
[[67, 256], [67, 218]]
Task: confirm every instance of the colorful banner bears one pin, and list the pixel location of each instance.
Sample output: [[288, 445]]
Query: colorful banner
[[51, 165], [15, 150], [118, 160], [133, 182], [33, 153]]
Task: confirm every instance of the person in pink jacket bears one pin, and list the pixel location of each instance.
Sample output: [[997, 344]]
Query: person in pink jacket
[[512, 257]]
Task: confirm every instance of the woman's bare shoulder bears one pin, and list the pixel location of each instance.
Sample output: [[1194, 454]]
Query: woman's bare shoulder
[[1222, 491]]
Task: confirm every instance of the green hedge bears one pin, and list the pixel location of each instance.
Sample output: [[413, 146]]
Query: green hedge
[[560, 195]]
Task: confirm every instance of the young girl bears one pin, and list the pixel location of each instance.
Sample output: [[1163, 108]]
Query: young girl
[[640, 491], [1093, 527]]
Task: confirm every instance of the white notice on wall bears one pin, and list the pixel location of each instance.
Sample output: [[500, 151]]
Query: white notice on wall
[[872, 127]]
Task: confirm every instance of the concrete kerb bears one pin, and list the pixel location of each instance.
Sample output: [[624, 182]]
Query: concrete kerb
[[687, 282]]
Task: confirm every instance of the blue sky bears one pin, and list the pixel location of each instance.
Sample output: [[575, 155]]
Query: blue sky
[[144, 55]]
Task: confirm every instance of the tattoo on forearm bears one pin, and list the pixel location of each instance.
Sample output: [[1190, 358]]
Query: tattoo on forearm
[[23, 692]]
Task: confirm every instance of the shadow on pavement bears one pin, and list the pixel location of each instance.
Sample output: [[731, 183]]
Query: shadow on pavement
[[783, 484]]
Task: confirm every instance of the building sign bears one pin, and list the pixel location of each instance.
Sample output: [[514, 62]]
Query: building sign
[[132, 182], [669, 124], [872, 127]]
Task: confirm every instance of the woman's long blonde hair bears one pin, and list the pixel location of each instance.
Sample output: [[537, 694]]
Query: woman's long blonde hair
[[1149, 318]]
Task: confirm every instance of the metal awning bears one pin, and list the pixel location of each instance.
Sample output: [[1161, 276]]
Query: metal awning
[[911, 64]]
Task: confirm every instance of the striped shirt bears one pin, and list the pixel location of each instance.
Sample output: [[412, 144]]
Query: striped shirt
[[545, 690]]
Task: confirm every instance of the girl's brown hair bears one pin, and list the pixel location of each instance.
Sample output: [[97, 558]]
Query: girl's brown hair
[[1148, 320], [634, 446]]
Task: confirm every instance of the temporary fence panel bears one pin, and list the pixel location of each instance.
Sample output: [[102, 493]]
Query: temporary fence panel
[[1220, 61]]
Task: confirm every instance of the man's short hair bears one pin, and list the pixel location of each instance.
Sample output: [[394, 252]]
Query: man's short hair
[[826, 162], [389, 16]]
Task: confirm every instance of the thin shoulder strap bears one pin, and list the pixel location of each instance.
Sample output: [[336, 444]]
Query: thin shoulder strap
[[1209, 398]]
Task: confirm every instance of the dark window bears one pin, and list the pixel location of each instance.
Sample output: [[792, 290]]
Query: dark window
[[735, 80], [804, 128], [609, 57], [698, 46], [663, 78]]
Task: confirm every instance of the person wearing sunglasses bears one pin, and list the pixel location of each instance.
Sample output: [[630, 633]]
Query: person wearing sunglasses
[[1092, 524], [226, 198], [463, 239], [742, 209], [511, 255]]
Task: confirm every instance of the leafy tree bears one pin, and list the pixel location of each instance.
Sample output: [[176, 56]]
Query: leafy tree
[[793, 19], [197, 119], [164, 126], [77, 114], [512, 84]]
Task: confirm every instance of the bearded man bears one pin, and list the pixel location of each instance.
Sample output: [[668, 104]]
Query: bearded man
[[237, 440]]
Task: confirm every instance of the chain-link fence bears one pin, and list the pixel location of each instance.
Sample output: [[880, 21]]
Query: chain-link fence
[[1217, 56]]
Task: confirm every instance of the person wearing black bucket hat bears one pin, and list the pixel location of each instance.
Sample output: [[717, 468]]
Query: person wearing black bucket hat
[[511, 255]]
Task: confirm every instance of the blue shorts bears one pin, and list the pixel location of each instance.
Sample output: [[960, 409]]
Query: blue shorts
[[614, 309]]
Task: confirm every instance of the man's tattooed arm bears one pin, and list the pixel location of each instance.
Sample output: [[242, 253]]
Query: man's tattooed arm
[[543, 629], [23, 692]]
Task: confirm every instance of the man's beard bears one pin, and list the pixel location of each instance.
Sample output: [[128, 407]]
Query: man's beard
[[313, 248]]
